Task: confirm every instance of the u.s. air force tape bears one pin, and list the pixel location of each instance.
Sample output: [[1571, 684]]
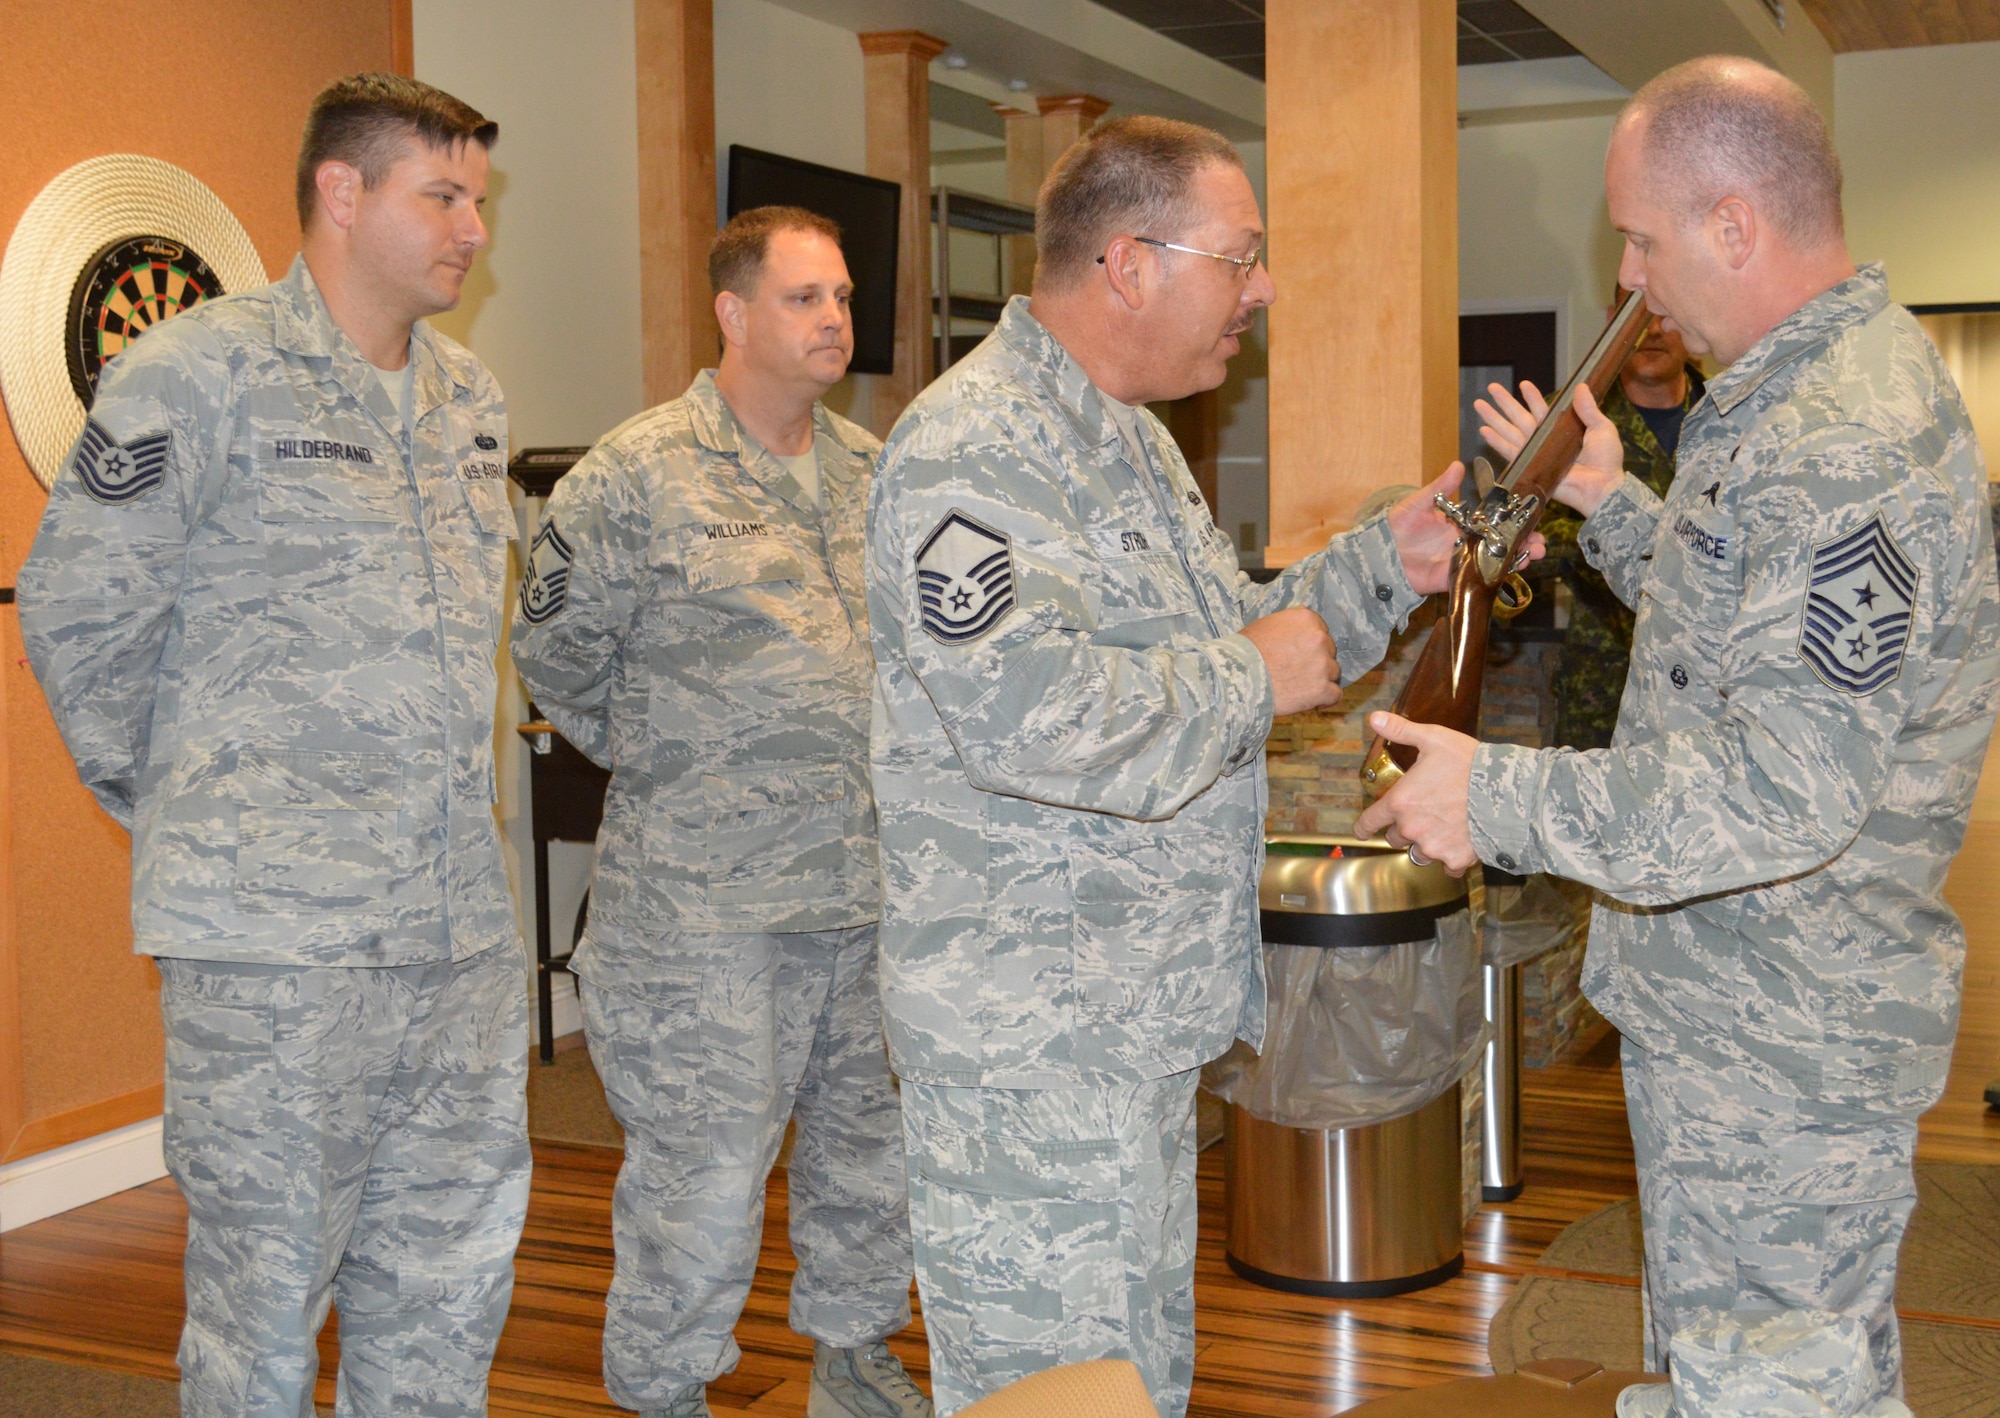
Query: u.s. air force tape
[[545, 587], [965, 579], [1856, 623], [117, 473]]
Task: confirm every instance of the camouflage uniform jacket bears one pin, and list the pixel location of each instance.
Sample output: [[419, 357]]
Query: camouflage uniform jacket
[[1069, 731], [267, 623], [1589, 676], [1812, 689], [695, 622]]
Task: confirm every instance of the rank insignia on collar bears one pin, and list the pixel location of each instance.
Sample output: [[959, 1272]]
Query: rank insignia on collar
[[1856, 623], [117, 473], [545, 587], [965, 579]]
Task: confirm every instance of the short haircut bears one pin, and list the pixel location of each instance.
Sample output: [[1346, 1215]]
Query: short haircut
[[736, 256], [1130, 176], [1721, 125], [366, 120]]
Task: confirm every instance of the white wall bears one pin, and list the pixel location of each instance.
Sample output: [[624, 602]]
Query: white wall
[[552, 308], [1919, 138], [787, 83], [1532, 230]]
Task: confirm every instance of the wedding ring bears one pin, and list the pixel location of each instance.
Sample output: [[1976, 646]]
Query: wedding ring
[[1417, 859]]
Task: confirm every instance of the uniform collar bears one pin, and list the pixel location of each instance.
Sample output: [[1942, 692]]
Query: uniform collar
[[304, 326], [716, 428], [1806, 329], [1044, 356]]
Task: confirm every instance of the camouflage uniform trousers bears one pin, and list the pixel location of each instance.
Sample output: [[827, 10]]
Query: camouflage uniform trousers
[[707, 1044], [355, 1136], [1052, 1226], [1721, 1238]]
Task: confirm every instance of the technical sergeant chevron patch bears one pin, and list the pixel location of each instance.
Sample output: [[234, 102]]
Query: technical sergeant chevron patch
[[116, 473]]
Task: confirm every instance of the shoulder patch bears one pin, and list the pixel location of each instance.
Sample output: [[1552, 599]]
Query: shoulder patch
[[545, 587], [117, 473], [1856, 623], [965, 579]]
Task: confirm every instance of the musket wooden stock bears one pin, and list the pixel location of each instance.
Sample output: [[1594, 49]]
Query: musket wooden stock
[[1444, 686]]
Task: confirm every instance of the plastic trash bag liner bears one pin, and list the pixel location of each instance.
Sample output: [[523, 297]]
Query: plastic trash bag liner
[[1522, 922], [1360, 1035]]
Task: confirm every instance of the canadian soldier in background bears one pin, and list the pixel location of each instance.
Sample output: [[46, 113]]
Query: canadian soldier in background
[[1657, 387]]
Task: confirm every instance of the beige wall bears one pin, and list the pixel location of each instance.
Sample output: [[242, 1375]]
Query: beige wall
[[1531, 225], [1919, 137], [551, 307]]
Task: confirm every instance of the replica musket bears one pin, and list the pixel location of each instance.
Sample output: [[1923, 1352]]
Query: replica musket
[[1494, 521]]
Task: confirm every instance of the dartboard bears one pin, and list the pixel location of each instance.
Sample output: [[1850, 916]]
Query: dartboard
[[128, 287]]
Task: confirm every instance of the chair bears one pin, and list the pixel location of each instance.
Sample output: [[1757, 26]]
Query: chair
[[1096, 1388]]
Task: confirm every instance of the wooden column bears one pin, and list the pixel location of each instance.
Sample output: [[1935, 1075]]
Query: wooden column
[[676, 72], [1065, 118], [1362, 130], [896, 66], [1025, 170]]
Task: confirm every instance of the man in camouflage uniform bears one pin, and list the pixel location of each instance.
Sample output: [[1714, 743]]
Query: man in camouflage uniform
[[1655, 390], [1813, 685], [693, 619], [1074, 684], [265, 603]]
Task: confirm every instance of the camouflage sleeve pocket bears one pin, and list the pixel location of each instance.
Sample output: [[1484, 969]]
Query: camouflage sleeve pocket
[[317, 831], [491, 511]]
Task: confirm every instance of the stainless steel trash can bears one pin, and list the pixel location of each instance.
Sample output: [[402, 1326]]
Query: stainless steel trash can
[[1348, 1212]]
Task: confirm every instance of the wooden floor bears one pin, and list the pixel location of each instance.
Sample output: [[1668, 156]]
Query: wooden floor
[[101, 1284]]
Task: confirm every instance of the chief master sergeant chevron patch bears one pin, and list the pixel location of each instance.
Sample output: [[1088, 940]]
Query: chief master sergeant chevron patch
[[1857, 615], [965, 579]]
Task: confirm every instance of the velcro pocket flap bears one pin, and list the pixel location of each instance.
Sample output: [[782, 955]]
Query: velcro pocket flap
[[1134, 869], [490, 508], [303, 778], [336, 493], [740, 560], [750, 789]]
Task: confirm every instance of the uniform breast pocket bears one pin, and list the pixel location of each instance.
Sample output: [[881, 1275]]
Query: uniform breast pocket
[[336, 565], [776, 833], [1147, 918], [1144, 598], [754, 589], [317, 831], [494, 525]]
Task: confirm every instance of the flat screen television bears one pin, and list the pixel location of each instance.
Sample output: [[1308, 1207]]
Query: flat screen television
[[866, 209]]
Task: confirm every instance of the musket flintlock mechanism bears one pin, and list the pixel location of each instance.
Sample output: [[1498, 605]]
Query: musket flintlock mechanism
[[1494, 521]]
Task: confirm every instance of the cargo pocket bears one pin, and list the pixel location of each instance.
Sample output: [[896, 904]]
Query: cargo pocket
[[1147, 918], [215, 1380], [776, 833], [316, 831], [642, 1021], [222, 1077]]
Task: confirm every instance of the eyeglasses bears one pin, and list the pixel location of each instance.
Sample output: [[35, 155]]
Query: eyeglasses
[[1244, 264]]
